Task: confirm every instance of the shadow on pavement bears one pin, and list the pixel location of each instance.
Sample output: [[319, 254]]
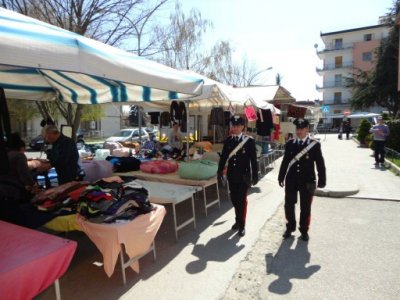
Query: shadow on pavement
[[289, 264], [220, 249]]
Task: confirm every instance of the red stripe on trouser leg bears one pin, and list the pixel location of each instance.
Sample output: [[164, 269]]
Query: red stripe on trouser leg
[[244, 209], [309, 217]]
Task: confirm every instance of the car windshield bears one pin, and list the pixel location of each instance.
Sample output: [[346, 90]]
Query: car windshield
[[123, 133]]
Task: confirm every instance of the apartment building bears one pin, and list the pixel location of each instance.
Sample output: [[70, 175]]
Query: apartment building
[[343, 52]]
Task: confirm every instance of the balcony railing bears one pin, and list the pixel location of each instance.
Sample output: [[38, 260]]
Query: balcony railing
[[332, 84], [328, 67], [335, 47], [336, 101]]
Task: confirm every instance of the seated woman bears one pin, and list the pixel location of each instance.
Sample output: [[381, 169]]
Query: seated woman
[[20, 172], [175, 141], [17, 188]]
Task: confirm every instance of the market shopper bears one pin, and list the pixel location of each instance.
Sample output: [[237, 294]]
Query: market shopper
[[239, 153], [297, 175], [381, 132], [175, 140], [63, 155]]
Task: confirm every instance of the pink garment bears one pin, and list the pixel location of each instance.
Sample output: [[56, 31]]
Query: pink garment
[[122, 152], [136, 235], [250, 113], [159, 166], [30, 261], [96, 169]]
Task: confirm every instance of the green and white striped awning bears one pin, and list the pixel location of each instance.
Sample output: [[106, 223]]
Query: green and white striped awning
[[39, 61]]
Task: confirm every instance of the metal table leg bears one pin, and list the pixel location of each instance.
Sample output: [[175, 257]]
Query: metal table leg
[[57, 288]]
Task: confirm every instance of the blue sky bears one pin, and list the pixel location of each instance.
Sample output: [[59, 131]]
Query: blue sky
[[282, 33]]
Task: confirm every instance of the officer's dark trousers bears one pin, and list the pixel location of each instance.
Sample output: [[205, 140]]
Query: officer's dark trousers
[[306, 197], [379, 151], [238, 193]]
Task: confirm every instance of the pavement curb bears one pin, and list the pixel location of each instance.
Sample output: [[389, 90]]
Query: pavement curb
[[394, 167], [335, 193]]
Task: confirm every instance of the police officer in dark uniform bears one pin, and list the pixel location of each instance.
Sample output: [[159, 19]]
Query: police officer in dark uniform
[[299, 176], [242, 170]]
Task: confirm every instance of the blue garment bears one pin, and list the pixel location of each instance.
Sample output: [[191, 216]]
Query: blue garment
[[380, 131]]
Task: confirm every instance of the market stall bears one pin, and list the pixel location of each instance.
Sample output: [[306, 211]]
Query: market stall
[[42, 62]]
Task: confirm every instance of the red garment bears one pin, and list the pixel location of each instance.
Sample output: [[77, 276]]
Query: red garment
[[277, 129]]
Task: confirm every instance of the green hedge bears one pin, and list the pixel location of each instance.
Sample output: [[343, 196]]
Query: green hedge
[[363, 131], [393, 140]]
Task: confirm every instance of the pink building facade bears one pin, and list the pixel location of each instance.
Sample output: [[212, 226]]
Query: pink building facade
[[359, 51]]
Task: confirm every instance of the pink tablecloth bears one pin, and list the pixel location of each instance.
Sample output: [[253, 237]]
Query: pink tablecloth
[[136, 235], [30, 261]]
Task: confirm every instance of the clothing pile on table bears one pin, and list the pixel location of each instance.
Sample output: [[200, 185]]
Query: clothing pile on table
[[60, 197], [108, 202], [101, 201]]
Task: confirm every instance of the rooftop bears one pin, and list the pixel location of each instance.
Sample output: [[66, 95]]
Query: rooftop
[[354, 29]]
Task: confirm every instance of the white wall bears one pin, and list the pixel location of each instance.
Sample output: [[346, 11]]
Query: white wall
[[111, 122]]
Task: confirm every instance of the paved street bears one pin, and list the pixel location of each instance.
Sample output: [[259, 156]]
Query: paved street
[[354, 244]]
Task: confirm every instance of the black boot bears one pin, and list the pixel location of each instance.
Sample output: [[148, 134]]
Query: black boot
[[242, 231], [235, 226], [305, 237], [287, 234]]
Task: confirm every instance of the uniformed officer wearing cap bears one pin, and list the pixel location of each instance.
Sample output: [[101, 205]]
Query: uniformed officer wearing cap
[[301, 178], [242, 170]]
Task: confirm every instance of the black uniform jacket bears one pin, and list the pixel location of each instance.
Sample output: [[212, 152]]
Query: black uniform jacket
[[239, 165], [304, 169]]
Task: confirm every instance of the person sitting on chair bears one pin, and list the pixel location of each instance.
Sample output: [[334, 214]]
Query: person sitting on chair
[[20, 172], [175, 140]]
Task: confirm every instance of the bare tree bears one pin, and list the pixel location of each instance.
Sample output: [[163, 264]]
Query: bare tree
[[147, 43], [245, 73], [181, 39], [109, 21]]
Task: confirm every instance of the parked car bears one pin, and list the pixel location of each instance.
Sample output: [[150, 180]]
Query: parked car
[[128, 135], [37, 143]]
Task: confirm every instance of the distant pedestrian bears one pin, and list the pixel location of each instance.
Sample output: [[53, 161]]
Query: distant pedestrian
[[340, 136], [239, 152], [347, 128], [381, 132], [297, 174]]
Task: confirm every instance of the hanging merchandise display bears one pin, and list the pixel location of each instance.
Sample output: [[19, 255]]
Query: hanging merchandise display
[[275, 136], [154, 117], [250, 113], [217, 116], [295, 111], [264, 127], [183, 113], [165, 119]]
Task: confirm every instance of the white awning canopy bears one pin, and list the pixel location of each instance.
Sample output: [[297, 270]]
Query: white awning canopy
[[39, 61], [261, 96]]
